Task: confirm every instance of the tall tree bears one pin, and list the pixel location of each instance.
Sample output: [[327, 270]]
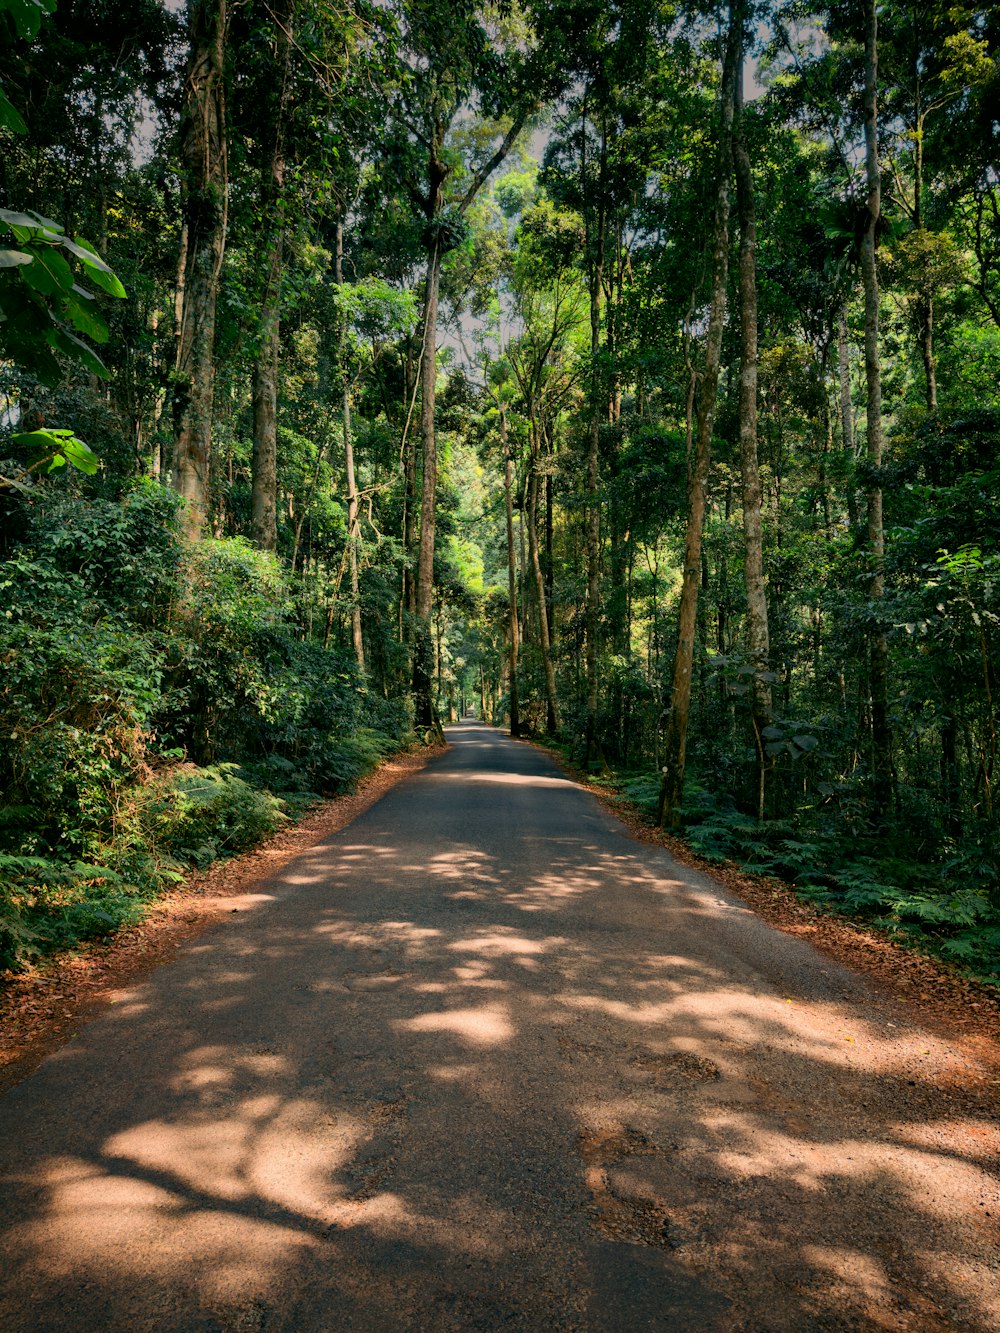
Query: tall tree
[[264, 482], [353, 533], [675, 740], [758, 639], [452, 58], [513, 633], [205, 212], [878, 647]]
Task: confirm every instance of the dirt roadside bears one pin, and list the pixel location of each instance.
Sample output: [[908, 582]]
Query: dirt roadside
[[41, 1008]]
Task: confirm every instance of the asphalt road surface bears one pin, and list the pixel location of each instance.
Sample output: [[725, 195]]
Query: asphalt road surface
[[481, 1061]]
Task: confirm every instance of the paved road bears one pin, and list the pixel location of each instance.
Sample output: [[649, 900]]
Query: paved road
[[480, 1061]]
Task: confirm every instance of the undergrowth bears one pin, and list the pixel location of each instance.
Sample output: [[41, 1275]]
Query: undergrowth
[[947, 904], [159, 708]]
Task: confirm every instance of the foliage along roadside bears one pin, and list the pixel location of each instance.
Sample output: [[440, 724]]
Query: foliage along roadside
[[159, 708], [944, 910]]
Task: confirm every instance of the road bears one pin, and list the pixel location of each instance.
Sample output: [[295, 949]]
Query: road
[[482, 1061]]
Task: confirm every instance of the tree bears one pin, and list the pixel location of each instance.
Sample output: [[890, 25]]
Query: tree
[[758, 639], [204, 153], [454, 58], [878, 648], [675, 742], [272, 214]]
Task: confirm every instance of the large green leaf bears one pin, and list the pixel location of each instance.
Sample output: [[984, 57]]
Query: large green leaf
[[14, 258], [67, 343], [98, 270], [49, 274], [15, 219], [27, 15], [26, 226], [64, 447], [10, 117], [84, 315]]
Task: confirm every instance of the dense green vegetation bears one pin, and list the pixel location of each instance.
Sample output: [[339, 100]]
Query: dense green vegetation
[[632, 372]]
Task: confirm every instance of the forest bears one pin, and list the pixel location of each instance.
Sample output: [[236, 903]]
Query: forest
[[628, 373]]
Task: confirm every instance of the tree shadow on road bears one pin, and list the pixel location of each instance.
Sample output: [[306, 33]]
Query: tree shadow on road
[[434, 1091]]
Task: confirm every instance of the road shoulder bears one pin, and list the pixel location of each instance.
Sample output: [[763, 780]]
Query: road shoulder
[[41, 1008]]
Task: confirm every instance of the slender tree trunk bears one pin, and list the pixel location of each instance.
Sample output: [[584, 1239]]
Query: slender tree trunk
[[353, 529], [758, 639], [422, 646], [433, 201], [951, 788], [203, 154], [878, 648], [550, 596], [408, 598], [598, 408], [264, 467], [925, 317], [925, 302], [675, 741], [513, 636], [551, 698], [847, 413]]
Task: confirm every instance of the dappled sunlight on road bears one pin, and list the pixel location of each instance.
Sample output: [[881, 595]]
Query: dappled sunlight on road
[[504, 780], [486, 1025]]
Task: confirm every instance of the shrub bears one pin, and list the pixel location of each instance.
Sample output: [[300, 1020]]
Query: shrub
[[199, 814]]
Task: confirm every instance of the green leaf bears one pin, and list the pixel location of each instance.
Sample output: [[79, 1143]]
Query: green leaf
[[78, 351], [14, 258], [98, 270], [10, 117], [49, 274], [81, 456], [26, 225], [27, 15], [64, 444], [13, 219], [84, 317]]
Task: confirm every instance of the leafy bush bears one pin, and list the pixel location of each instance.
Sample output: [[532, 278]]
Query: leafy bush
[[199, 814], [46, 904], [122, 651]]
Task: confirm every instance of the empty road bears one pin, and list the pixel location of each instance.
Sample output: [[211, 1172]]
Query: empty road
[[482, 1061]]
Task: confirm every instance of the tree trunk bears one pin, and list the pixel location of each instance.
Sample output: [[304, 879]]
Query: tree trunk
[[551, 698], [408, 597], [353, 529], [675, 741], [203, 155], [422, 646], [264, 467], [878, 649], [847, 413], [550, 595], [515, 719], [758, 640], [597, 410], [925, 302]]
